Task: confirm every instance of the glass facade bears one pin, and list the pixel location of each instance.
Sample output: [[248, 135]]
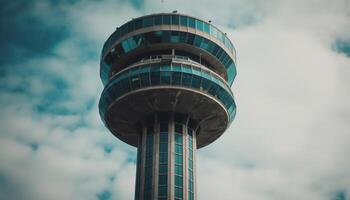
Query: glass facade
[[148, 177], [163, 161], [168, 37], [153, 20], [138, 170], [190, 165], [178, 154], [170, 75], [174, 158]]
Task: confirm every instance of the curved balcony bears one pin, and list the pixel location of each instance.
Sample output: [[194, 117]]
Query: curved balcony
[[224, 62], [172, 20], [138, 77]]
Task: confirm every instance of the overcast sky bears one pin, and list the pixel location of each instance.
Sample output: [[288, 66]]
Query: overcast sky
[[290, 139]]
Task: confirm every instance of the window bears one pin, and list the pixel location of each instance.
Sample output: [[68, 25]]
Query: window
[[199, 25], [148, 163], [138, 24], [174, 38], [178, 161], [176, 78], [190, 166], [166, 19], [163, 147], [178, 129], [178, 192], [184, 20], [191, 22], [175, 19], [158, 20], [165, 78], [206, 28], [162, 191], [163, 160], [148, 21]]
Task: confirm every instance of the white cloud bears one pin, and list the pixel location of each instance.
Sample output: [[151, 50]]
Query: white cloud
[[288, 141]]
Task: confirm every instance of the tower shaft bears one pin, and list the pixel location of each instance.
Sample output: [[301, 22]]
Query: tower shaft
[[166, 160]]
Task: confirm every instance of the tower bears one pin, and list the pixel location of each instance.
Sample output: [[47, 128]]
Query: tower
[[167, 81]]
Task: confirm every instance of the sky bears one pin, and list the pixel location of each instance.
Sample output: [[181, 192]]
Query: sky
[[290, 139]]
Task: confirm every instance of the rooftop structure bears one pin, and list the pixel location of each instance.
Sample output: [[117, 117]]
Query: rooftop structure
[[167, 81]]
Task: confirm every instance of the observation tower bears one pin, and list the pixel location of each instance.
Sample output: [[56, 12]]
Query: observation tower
[[167, 81]]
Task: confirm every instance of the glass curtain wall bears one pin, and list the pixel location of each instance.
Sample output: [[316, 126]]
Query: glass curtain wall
[[165, 163]]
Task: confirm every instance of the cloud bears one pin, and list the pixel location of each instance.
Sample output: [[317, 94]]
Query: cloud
[[288, 141]]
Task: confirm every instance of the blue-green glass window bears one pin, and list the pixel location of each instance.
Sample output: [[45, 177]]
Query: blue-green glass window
[[176, 78], [186, 79], [174, 38], [198, 41], [176, 68], [165, 68], [196, 81], [162, 192], [124, 29], [178, 169], [220, 36], [155, 75], [163, 168], [175, 19], [178, 180], [213, 31], [205, 84], [183, 37], [184, 20], [158, 20], [199, 25], [192, 22], [148, 163], [148, 21], [178, 129], [163, 179], [178, 149], [166, 19], [163, 137], [138, 24], [190, 185], [131, 26], [204, 44], [190, 38], [163, 157], [206, 28], [165, 77], [132, 43], [178, 192], [163, 147], [178, 159], [125, 46], [166, 36], [145, 81], [190, 164]]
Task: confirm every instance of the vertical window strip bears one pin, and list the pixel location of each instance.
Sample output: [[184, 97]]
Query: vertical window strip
[[138, 173], [190, 165], [163, 162], [148, 164], [178, 162]]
